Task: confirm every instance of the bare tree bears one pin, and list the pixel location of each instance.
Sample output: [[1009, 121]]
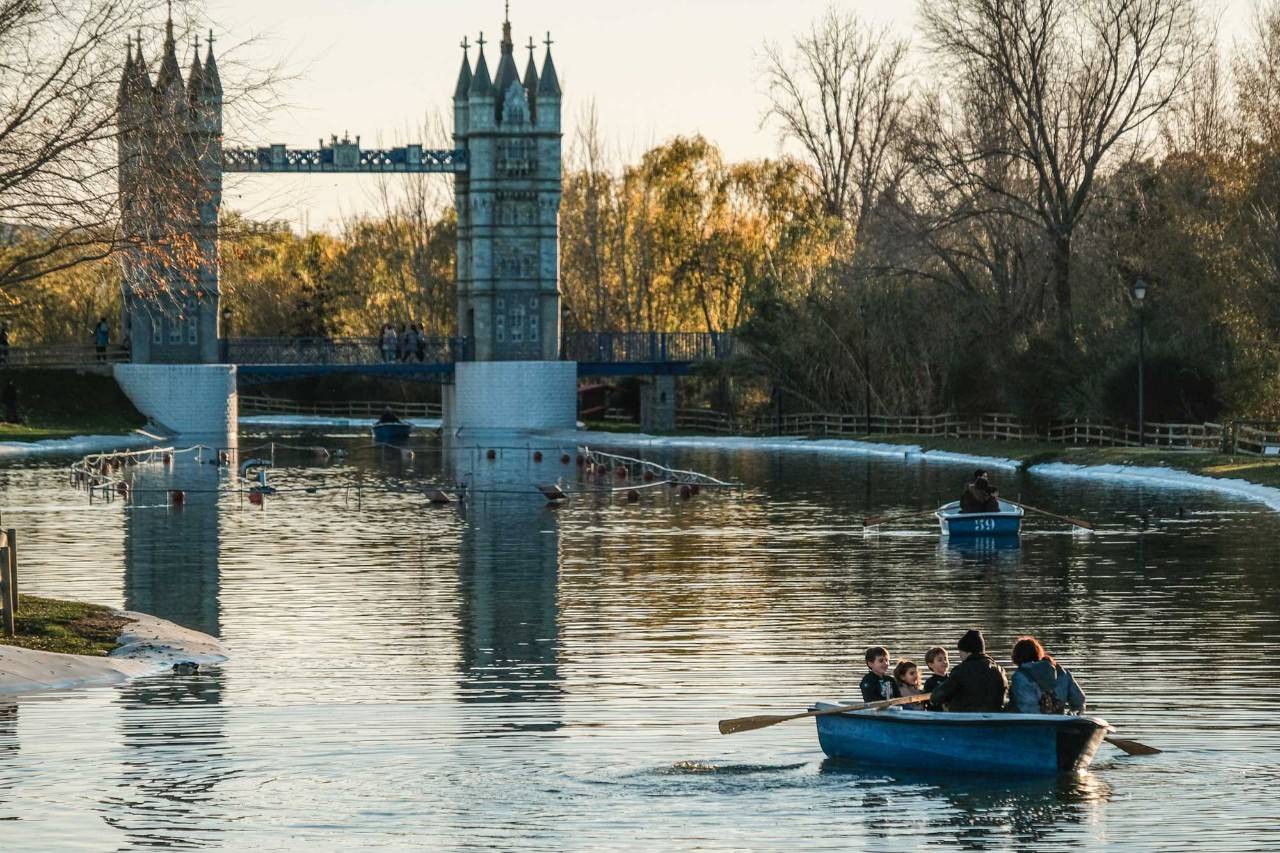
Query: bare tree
[[841, 97], [1074, 83], [1257, 75]]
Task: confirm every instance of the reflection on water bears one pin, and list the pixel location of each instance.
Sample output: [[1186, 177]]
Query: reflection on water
[[506, 674]]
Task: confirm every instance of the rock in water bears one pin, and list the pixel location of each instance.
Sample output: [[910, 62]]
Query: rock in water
[[186, 667]]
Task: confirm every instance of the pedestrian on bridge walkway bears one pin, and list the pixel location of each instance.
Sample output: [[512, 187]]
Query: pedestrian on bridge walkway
[[102, 337], [389, 341]]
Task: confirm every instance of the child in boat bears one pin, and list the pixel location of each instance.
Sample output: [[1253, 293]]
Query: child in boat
[[906, 677], [878, 684], [939, 666]]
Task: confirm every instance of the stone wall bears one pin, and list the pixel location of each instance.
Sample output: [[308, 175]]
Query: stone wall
[[190, 399]]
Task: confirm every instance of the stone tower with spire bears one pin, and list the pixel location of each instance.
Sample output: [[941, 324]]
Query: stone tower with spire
[[508, 204], [170, 183]]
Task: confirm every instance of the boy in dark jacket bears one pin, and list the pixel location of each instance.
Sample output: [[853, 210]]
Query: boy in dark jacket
[[977, 684], [878, 684], [936, 660]]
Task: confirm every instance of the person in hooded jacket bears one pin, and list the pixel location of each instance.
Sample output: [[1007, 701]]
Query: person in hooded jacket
[[977, 684], [1040, 685]]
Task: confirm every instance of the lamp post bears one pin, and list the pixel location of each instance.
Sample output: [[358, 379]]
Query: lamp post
[[866, 365], [1139, 294], [225, 341]]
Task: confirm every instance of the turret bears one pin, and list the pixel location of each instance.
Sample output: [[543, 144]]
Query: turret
[[508, 76], [548, 93], [480, 96], [460, 93], [531, 84]]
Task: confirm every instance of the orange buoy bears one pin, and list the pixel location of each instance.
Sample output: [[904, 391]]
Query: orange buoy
[[685, 491], [633, 496], [537, 456], [622, 472], [648, 476], [177, 497], [564, 458], [491, 454], [255, 498], [167, 458], [696, 489]]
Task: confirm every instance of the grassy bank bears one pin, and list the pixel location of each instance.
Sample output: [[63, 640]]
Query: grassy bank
[[63, 403], [69, 627]]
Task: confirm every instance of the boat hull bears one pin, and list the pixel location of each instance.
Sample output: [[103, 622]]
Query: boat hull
[[1006, 522], [392, 433], [1019, 744]]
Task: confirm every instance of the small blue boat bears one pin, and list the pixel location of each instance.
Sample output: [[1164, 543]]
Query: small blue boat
[[1022, 744], [1006, 522], [391, 432]]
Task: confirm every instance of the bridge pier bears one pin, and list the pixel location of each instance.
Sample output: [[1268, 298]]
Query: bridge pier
[[188, 399], [658, 404], [512, 396]]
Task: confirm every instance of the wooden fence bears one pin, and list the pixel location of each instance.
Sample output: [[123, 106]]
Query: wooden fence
[[341, 409], [998, 426]]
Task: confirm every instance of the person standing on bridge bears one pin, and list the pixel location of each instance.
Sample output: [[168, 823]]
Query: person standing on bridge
[[422, 342], [102, 337], [388, 342]]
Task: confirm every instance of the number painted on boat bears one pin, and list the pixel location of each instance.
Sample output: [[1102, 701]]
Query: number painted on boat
[[984, 524]]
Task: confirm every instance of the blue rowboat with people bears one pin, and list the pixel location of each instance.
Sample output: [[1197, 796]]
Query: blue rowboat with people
[[390, 429], [1020, 744], [1004, 521]]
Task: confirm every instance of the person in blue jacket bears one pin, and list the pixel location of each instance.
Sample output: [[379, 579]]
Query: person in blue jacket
[[1040, 685]]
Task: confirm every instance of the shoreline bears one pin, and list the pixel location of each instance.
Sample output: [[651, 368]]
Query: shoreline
[[1035, 463], [78, 445], [146, 645]]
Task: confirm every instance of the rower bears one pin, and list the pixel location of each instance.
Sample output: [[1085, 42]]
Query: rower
[[980, 495]]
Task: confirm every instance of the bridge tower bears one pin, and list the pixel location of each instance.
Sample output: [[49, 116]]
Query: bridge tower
[[508, 205], [170, 186], [508, 257]]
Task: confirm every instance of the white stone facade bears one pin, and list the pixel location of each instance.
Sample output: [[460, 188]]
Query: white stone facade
[[512, 395], [189, 399]]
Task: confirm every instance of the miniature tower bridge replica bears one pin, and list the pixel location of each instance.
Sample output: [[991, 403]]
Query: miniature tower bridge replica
[[506, 171]]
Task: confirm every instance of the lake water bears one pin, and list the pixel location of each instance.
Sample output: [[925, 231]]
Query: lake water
[[407, 676]]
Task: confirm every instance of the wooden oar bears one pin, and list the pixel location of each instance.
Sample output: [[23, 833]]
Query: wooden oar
[[881, 519], [1132, 747], [1076, 521], [746, 724]]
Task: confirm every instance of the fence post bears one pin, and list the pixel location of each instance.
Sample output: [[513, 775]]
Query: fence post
[[6, 593], [11, 538]]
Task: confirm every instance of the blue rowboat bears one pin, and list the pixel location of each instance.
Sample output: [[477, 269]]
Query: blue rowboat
[[1006, 522], [1024, 744], [391, 432]]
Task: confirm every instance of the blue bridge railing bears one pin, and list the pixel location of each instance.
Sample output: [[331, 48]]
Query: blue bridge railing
[[660, 347]]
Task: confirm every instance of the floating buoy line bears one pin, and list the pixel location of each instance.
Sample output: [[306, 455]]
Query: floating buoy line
[[111, 476]]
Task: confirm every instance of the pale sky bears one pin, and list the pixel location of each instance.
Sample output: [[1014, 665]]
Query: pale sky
[[655, 69]]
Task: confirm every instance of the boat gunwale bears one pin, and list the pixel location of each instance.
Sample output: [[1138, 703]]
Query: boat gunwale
[[951, 510], [964, 718]]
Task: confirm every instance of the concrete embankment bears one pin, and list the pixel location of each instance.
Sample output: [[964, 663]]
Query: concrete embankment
[[147, 644]]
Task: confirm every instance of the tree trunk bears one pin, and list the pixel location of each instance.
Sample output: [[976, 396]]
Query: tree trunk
[[1062, 291]]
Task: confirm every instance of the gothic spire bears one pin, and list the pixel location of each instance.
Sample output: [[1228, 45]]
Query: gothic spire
[[549, 84], [464, 75], [531, 73], [169, 74], [212, 82], [481, 84], [507, 71], [141, 77], [122, 92], [195, 77]]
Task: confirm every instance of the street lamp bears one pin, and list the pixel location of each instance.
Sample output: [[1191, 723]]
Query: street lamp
[[866, 364], [1139, 294]]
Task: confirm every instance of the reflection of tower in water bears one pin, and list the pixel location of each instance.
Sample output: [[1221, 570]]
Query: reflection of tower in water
[[508, 570], [171, 553], [172, 726]]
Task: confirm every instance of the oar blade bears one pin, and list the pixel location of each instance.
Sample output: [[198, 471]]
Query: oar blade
[[1132, 747], [747, 724]]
